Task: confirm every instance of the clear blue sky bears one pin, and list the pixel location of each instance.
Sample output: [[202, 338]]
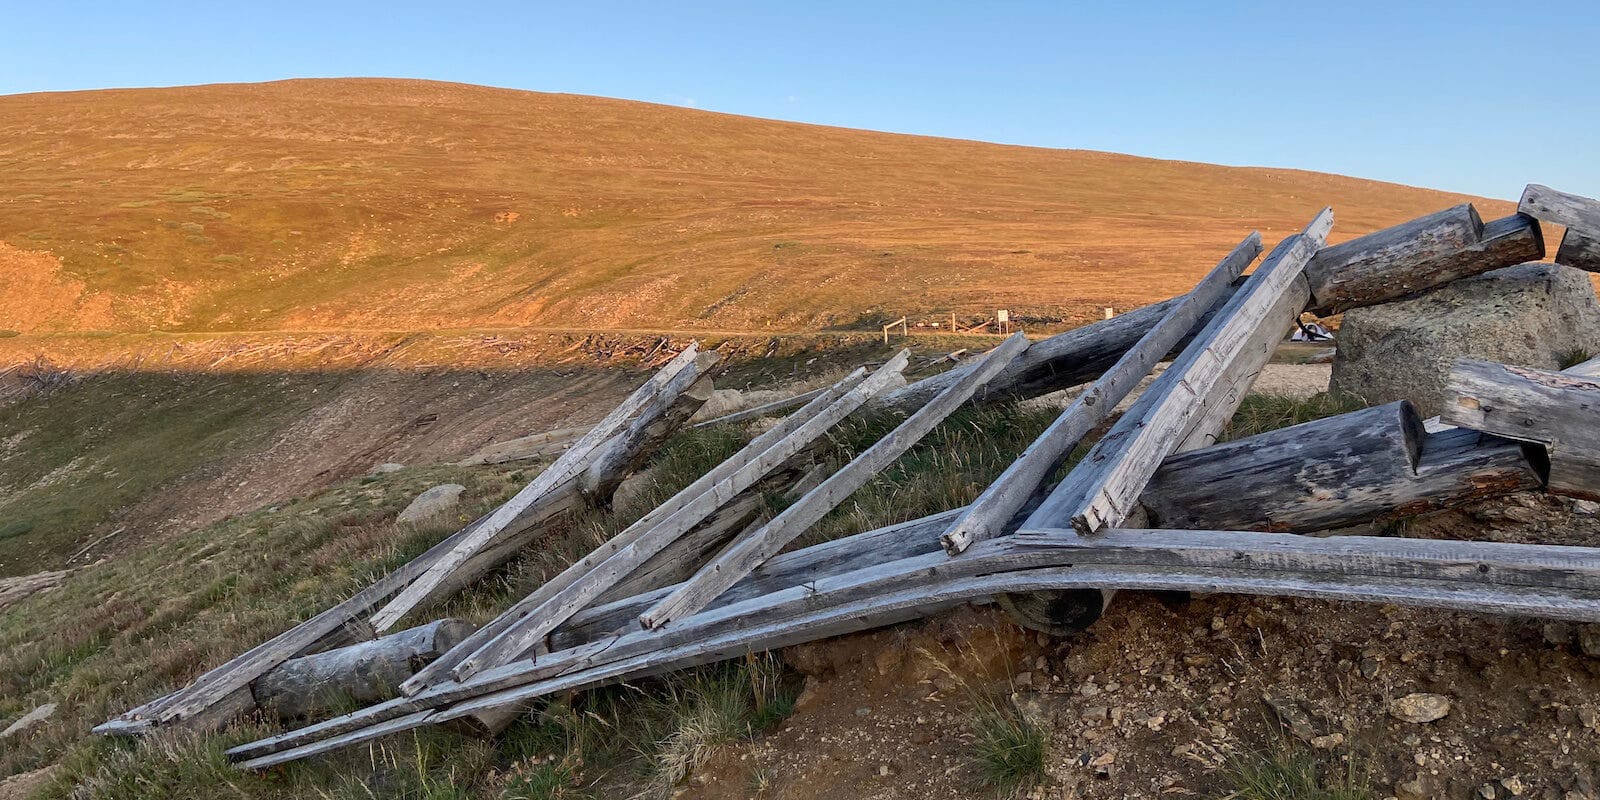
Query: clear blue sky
[[1468, 96]]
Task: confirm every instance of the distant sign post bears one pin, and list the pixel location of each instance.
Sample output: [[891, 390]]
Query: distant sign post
[[1002, 320]]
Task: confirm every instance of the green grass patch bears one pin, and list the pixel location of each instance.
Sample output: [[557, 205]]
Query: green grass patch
[[1260, 413], [11, 530], [1293, 776]]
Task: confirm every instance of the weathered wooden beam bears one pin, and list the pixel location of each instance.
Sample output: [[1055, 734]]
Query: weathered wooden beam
[[1364, 466], [365, 673], [1562, 582], [1418, 255], [1561, 412], [524, 625], [234, 677], [1561, 208], [746, 553], [645, 433], [1579, 250], [988, 515], [1104, 488], [764, 410], [571, 463]]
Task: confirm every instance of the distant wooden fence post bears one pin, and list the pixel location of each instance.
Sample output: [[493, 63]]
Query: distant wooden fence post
[[904, 331]]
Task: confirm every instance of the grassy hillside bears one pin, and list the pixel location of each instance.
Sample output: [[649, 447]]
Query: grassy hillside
[[404, 205]]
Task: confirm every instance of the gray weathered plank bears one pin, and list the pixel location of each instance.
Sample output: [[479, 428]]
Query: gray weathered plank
[[528, 622], [746, 553], [763, 410], [1104, 488], [1008, 493], [568, 466]]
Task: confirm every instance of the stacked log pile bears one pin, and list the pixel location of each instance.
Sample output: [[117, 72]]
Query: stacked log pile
[[1156, 504]]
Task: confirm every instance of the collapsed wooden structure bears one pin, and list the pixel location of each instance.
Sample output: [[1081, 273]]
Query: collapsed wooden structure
[[1156, 503]]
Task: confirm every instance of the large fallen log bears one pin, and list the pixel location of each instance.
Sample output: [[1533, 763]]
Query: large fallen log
[[988, 515], [748, 552], [364, 673], [1418, 255], [1561, 412], [1369, 465]]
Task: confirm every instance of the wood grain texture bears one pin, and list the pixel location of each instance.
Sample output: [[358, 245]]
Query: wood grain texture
[[1365, 466], [1418, 255], [367, 672], [1560, 411], [989, 513], [660, 418], [527, 623], [688, 507], [745, 554], [1561, 208], [763, 410], [572, 462], [1579, 250], [1104, 488]]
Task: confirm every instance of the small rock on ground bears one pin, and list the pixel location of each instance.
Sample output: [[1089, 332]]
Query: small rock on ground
[[432, 502], [1420, 707], [29, 720]]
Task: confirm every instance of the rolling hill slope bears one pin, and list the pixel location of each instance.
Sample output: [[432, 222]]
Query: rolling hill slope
[[406, 205]]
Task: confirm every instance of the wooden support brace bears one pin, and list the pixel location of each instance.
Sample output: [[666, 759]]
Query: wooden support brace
[[746, 553]]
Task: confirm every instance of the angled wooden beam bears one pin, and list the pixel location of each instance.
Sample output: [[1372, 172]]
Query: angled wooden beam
[[526, 624], [987, 516], [746, 553], [1559, 411], [1104, 488], [763, 410], [568, 466], [1579, 250]]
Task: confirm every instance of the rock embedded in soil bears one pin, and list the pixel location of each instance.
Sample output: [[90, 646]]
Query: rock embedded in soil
[[1420, 707], [432, 503], [29, 720], [1532, 315], [386, 468]]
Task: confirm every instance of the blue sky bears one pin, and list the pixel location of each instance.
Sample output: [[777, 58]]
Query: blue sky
[[1472, 97]]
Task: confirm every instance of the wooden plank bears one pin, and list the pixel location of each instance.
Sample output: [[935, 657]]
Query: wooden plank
[[1103, 489], [359, 736], [527, 623], [1559, 411], [1418, 255], [745, 554], [764, 410], [987, 515], [569, 465], [1561, 208], [1219, 405], [237, 674], [1470, 575], [647, 431], [1579, 250], [1365, 466]]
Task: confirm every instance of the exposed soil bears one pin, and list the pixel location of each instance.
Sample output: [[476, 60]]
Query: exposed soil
[[1158, 696]]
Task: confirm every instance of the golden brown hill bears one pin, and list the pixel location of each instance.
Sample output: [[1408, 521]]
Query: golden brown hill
[[389, 204]]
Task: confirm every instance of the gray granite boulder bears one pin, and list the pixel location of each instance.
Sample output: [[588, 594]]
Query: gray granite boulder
[[1532, 315]]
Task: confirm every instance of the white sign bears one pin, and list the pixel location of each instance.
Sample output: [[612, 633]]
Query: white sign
[[1002, 316]]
